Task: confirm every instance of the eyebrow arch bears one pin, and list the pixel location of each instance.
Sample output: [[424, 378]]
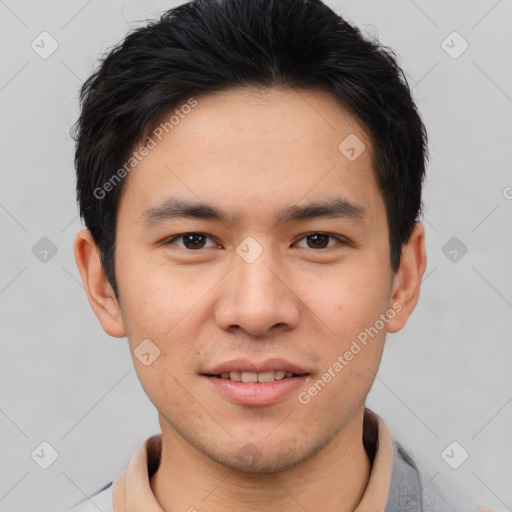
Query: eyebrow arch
[[331, 208], [174, 208]]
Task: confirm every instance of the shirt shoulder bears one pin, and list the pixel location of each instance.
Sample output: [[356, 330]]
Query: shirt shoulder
[[409, 491], [101, 500]]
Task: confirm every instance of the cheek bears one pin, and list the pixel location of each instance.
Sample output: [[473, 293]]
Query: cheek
[[154, 295], [348, 302], [351, 307], [167, 306]]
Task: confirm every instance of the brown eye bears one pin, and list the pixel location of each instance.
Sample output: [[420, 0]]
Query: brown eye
[[319, 240], [189, 240], [193, 241]]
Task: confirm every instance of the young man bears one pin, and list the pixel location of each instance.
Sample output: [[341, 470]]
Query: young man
[[250, 174]]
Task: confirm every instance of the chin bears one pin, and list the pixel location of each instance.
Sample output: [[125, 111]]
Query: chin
[[250, 461], [269, 458]]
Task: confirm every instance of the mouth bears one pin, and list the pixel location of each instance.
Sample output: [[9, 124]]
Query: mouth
[[256, 389], [250, 383], [256, 377]]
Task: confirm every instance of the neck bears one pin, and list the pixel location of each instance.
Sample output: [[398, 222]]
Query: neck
[[335, 478]]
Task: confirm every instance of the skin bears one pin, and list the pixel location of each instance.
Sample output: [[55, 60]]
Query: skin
[[251, 152]]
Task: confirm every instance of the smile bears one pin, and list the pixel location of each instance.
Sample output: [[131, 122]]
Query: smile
[[261, 377]]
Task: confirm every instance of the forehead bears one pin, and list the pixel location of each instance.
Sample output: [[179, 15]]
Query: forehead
[[256, 147]]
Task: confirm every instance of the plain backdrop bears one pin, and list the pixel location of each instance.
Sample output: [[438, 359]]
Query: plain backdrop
[[445, 378]]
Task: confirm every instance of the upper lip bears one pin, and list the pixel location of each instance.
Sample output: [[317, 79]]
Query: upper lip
[[244, 365]]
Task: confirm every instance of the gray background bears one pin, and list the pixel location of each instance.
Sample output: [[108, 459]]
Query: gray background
[[446, 377]]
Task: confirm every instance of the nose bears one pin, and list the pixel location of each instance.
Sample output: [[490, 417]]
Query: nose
[[258, 297]]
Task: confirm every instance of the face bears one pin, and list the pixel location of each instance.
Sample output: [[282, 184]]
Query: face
[[278, 262]]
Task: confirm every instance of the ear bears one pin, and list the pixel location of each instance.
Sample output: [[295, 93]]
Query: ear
[[407, 281], [99, 291]]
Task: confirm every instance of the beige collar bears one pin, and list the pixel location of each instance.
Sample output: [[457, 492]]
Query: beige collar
[[132, 490]]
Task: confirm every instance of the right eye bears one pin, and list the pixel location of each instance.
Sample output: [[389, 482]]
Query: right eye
[[191, 241]]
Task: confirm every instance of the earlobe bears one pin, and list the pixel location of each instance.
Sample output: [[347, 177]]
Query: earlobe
[[99, 291], [407, 281]]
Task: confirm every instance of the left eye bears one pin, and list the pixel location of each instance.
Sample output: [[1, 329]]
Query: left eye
[[319, 240], [190, 240]]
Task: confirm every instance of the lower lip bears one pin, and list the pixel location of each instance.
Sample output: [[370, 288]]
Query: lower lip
[[253, 393]]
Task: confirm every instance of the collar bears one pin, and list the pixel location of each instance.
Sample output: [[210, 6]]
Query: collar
[[393, 484]]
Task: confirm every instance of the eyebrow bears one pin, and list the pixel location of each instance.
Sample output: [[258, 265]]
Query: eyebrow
[[174, 208]]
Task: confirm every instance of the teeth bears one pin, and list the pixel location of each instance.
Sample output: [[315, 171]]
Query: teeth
[[266, 377], [256, 377], [249, 377]]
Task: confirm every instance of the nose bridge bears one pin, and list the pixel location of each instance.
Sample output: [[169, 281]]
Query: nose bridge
[[256, 281], [257, 296]]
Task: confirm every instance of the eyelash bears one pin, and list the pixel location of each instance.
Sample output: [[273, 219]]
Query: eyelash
[[341, 241]]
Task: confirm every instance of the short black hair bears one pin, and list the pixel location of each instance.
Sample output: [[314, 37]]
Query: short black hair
[[206, 46]]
